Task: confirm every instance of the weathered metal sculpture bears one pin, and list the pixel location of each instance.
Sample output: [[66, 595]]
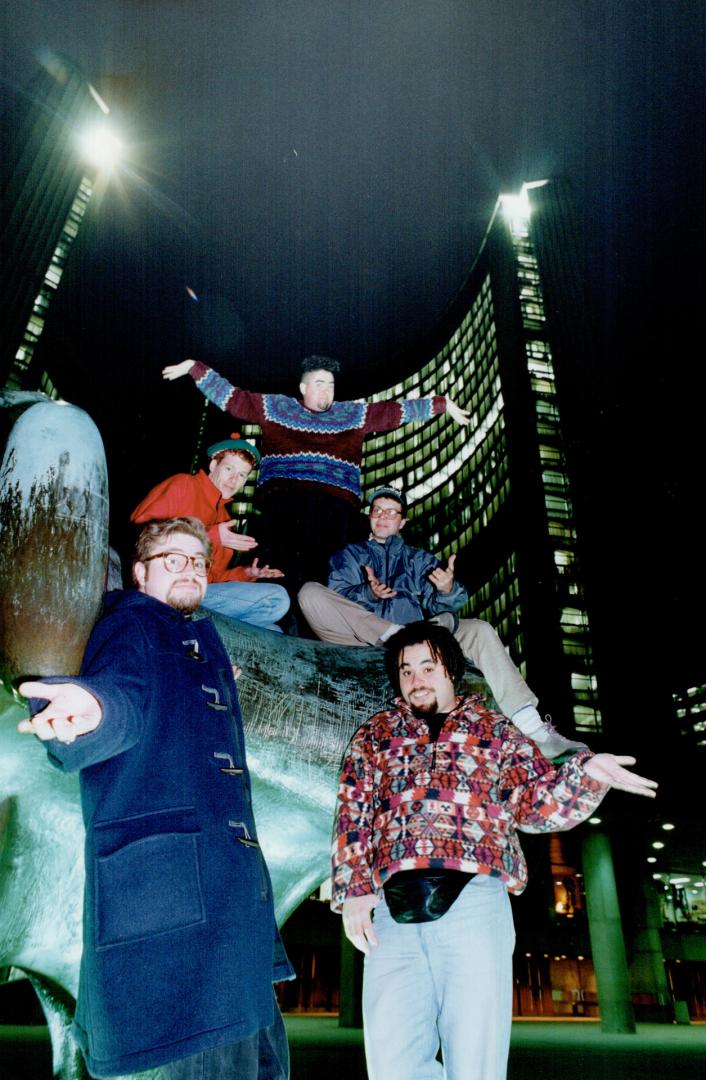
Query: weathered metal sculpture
[[301, 702]]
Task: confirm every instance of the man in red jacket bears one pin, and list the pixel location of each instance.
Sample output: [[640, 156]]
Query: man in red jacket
[[239, 592]]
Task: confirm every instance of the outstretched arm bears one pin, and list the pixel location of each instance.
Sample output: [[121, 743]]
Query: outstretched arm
[[175, 371], [72, 711], [608, 769]]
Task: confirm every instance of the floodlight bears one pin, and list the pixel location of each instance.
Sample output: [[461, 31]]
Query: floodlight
[[100, 147]]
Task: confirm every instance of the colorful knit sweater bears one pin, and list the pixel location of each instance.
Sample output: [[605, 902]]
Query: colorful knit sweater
[[406, 802], [318, 449]]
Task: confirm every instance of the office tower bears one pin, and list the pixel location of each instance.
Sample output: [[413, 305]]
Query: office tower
[[51, 164], [500, 490]]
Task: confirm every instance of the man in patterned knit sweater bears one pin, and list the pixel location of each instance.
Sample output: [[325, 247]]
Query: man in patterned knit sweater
[[425, 851], [309, 482]]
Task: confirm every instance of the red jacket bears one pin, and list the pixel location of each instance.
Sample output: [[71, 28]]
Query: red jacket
[[184, 495]]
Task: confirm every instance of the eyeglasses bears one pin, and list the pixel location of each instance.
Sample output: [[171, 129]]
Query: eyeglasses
[[384, 511], [176, 561]]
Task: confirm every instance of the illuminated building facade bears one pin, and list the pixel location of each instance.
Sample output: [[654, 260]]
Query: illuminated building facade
[[47, 182], [500, 493], [499, 490], [690, 706]]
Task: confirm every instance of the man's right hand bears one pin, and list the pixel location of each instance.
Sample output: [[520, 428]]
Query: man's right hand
[[175, 371], [72, 711], [379, 589], [357, 923], [234, 541]]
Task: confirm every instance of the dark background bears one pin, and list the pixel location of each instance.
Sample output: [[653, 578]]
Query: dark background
[[321, 174]]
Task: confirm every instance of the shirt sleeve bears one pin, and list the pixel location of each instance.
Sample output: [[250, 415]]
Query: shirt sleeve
[[113, 670], [389, 415], [243, 404], [347, 577], [166, 500], [352, 851], [545, 797]]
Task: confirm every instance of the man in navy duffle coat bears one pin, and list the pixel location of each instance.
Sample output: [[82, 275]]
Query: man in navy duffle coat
[[180, 942]]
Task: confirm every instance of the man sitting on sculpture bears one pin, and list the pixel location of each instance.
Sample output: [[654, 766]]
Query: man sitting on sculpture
[[238, 592], [309, 483], [377, 586]]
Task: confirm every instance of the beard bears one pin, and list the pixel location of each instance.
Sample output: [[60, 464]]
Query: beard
[[428, 708], [187, 604]]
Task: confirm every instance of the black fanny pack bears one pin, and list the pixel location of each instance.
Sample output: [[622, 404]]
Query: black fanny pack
[[416, 896]]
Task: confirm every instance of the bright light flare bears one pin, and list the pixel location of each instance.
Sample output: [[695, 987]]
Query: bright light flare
[[100, 147]]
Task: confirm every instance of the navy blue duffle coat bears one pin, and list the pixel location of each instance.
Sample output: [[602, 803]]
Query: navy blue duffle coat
[[180, 941]]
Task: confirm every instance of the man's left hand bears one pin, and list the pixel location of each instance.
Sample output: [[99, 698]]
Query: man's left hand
[[441, 579], [258, 572], [461, 416], [608, 769]]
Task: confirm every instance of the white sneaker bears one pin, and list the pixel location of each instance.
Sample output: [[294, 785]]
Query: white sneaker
[[552, 743]]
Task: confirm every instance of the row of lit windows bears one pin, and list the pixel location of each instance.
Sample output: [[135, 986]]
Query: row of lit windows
[[52, 277], [557, 497]]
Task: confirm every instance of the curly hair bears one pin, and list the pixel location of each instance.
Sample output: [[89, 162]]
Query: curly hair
[[320, 363], [442, 645]]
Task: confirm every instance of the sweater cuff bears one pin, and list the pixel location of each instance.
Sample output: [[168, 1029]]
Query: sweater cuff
[[198, 370]]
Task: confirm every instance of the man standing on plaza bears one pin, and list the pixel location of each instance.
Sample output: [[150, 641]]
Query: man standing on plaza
[[180, 942], [377, 586], [309, 483], [431, 796], [237, 592]]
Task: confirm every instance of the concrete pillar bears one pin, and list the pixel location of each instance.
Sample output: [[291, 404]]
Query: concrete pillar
[[647, 973], [607, 944]]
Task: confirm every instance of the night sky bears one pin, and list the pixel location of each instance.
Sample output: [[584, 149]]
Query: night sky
[[321, 173]]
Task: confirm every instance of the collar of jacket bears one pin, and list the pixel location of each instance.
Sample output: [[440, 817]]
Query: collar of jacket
[[210, 490], [392, 543], [134, 598]]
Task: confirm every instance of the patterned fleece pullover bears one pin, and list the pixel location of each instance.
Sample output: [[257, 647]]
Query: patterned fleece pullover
[[406, 802], [319, 449]]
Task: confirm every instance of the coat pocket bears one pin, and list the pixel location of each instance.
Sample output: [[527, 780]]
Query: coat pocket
[[147, 887]]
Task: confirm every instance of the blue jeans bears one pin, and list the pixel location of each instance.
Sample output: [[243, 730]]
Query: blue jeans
[[256, 602], [446, 983], [262, 1056]]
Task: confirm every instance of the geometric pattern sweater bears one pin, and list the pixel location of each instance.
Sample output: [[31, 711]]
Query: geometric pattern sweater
[[315, 449], [407, 802]]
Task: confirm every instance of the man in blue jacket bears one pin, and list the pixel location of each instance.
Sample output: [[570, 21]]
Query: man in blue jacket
[[376, 587], [180, 941]]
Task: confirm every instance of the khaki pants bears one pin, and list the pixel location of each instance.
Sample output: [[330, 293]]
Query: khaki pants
[[342, 622]]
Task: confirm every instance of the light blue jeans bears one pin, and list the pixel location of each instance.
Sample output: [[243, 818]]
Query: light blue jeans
[[446, 983], [256, 602]]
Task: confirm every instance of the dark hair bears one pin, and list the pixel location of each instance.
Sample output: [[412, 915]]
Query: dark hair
[[320, 363], [442, 646], [155, 532]]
